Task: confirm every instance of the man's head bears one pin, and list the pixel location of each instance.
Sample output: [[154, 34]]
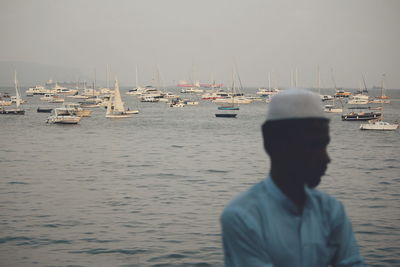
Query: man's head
[[296, 134]]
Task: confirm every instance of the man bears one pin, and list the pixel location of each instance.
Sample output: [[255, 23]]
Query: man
[[283, 220]]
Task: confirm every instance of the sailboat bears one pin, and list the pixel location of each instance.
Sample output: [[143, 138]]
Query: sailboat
[[229, 105], [18, 101], [115, 106], [383, 98], [138, 89], [359, 98]]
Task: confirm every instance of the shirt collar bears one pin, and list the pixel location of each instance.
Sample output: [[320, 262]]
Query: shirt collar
[[274, 191]]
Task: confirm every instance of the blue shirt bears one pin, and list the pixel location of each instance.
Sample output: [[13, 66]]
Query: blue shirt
[[263, 227]]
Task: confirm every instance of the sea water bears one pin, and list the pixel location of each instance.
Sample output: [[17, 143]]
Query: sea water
[[148, 190]]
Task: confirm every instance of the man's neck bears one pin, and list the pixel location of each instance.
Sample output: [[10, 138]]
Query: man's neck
[[295, 192]]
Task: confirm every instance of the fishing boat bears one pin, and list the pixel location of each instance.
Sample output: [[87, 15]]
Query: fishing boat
[[17, 110], [63, 116], [115, 106]]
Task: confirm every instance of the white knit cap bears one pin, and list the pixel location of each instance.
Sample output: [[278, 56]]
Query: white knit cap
[[295, 104]]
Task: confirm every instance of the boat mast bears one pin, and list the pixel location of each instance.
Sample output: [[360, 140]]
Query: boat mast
[[137, 77], [108, 76], [291, 78], [269, 81], [17, 96], [318, 80], [365, 84]]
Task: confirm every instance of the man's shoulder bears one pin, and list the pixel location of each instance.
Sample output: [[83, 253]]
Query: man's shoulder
[[326, 203], [322, 197], [246, 202]]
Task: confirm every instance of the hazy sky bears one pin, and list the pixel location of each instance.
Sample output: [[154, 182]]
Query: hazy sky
[[200, 38]]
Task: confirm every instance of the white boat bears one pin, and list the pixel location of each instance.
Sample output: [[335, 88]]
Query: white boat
[[63, 90], [190, 90], [52, 98], [332, 109], [326, 97], [358, 99], [190, 102], [76, 109], [151, 93], [176, 103], [267, 91], [170, 95], [5, 102], [115, 106], [17, 110], [37, 90], [134, 111], [90, 92], [262, 91], [214, 95], [234, 100], [149, 98], [379, 125], [63, 116]]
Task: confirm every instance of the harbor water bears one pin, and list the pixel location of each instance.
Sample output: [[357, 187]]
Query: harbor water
[[148, 190]]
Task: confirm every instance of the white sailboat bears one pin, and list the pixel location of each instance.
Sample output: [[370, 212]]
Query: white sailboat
[[17, 110], [323, 97], [138, 89], [115, 106]]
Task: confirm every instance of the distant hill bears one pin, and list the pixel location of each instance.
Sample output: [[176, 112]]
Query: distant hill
[[30, 73]]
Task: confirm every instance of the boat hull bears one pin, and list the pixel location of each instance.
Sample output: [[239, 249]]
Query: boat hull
[[225, 115], [118, 116], [379, 126], [44, 110], [228, 108], [64, 120], [361, 117], [12, 111]]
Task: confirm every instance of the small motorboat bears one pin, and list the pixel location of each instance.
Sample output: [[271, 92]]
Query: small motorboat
[[44, 110], [225, 115]]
